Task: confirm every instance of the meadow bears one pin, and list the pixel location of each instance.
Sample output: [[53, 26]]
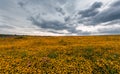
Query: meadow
[[60, 55]]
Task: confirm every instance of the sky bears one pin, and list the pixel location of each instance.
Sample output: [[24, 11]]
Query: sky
[[60, 17]]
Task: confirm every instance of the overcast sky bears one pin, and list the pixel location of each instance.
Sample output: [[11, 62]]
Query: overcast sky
[[60, 17]]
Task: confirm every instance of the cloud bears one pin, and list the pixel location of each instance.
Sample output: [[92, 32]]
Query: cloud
[[59, 17], [5, 26], [107, 15], [92, 11], [110, 14], [60, 10], [93, 16], [49, 14], [112, 29], [49, 24], [116, 3]]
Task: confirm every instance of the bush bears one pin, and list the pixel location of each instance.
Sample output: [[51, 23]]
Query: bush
[[19, 37], [52, 55]]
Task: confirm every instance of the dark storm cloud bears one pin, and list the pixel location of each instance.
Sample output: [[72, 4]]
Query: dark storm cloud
[[110, 14], [110, 30], [55, 32], [56, 25], [67, 18], [53, 10], [92, 15], [116, 3], [79, 32], [92, 11], [21, 4], [60, 10]]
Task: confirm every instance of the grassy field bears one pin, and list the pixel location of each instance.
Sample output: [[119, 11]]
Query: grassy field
[[60, 55]]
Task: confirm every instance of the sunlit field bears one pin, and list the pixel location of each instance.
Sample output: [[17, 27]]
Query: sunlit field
[[60, 55]]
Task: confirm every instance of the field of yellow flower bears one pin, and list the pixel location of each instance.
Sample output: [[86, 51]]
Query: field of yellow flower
[[60, 55]]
